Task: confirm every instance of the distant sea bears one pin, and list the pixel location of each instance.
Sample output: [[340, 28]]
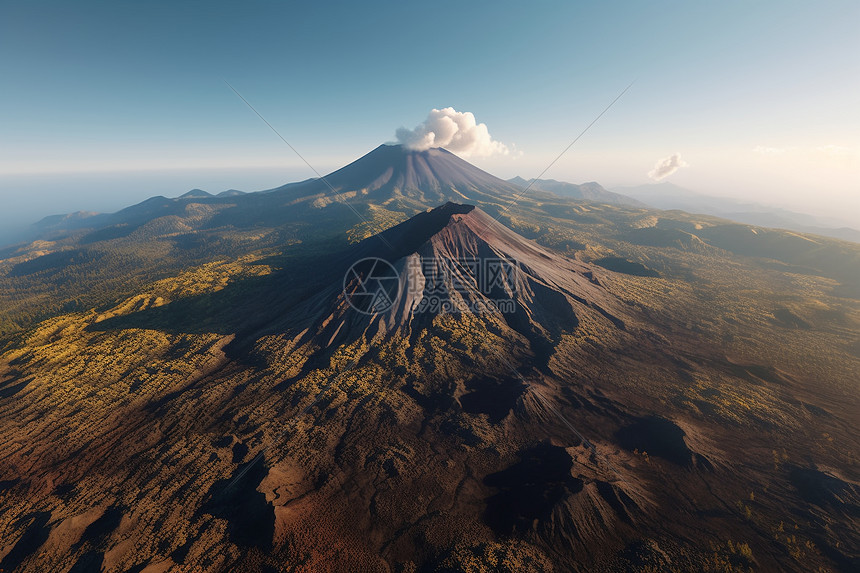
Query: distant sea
[[25, 199]]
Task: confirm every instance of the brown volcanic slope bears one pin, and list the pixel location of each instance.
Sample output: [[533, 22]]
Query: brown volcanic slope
[[545, 293], [237, 417]]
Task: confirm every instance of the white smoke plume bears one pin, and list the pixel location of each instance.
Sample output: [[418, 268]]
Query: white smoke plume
[[455, 131], [665, 167]]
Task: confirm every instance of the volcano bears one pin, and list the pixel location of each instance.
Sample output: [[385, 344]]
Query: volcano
[[395, 174], [456, 258], [391, 370], [389, 177]]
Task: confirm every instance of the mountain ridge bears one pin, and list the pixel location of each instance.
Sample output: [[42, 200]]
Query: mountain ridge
[[589, 191], [668, 196]]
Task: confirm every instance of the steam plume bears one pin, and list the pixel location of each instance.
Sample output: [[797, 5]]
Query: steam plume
[[455, 131]]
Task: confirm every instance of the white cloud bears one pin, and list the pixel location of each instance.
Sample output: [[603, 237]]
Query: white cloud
[[455, 131], [665, 167]]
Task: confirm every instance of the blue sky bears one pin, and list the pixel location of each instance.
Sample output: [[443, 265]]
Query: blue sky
[[759, 98]]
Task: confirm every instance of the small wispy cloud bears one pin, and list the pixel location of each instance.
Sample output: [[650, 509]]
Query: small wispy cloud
[[454, 130], [667, 166]]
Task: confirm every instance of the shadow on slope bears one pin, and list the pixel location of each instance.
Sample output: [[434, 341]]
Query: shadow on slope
[[250, 518], [253, 307], [530, 489]]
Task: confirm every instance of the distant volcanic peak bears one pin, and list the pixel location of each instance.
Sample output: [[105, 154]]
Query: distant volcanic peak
[[405, 150], [431, 152], [437, 161], [394, 171]]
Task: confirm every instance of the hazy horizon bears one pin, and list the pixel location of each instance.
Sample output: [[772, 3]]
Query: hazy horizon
[[750, 101], [47, 194], [109, 191]]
